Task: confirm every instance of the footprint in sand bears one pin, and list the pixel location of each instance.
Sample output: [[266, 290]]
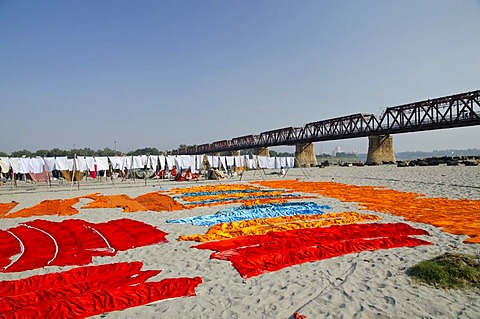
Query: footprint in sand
[[390, 300]]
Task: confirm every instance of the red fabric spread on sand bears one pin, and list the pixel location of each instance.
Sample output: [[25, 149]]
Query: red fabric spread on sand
[[76, 243], [87, 291], [73, 242], [123, 234], [9, 247], [39, 251], [254, 255]]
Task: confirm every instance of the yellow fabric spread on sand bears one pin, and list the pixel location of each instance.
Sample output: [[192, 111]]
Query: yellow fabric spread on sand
[[264, 225]]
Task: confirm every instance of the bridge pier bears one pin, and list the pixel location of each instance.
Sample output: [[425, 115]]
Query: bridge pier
[[263, 151], [305, 155], [235, 153], [380, 149]]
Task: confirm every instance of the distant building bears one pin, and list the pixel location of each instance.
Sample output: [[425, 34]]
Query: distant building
[[337, 150]]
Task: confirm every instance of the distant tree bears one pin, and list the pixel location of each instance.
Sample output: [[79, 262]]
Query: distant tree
[[42, 153], [25, 153], [145, 151], [344, 154], [83, 152], [105, 152], [324, 155], [3, 154], [56, 152], [247, 151], [285, 154]]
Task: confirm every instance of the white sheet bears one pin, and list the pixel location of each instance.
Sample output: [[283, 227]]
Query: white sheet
[[215, 162], [290, 162], [61, 163], [223, 160], [49, 163], [161, 160], [90, 161], [23, 165], [270, 162], [81, 164], [102, 163], [210, 160], [278, 163], [4, 164], [262, 161], [230, 161], [36, 165], [153, 162], [199, 162], [239, 161], [139, 161], [170, 160]]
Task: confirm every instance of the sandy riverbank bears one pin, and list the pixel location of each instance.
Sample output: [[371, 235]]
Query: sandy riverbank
[[369, 284]]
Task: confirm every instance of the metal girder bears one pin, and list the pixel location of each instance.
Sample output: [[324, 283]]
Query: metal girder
[[350, 126], [244, 142], [445, 112], [284, 136]]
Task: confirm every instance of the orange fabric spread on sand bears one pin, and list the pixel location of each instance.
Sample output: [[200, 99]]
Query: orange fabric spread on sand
[[114, 201], [48, 207], [456, 216], [64, 207], [150, 201], [158, 202], [6, 207], [264, 225]]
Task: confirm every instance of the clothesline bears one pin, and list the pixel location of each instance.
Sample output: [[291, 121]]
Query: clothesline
[[24, 165]]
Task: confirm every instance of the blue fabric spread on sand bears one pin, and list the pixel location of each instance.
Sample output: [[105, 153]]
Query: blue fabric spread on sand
[[252, 212]]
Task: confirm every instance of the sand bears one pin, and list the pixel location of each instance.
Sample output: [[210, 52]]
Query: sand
[[361, 285]]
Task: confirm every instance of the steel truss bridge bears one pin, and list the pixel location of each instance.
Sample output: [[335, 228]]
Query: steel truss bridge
[[457, 110]]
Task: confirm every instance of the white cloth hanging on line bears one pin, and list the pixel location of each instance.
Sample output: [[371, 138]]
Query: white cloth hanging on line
[[170, 160], [102, 163]]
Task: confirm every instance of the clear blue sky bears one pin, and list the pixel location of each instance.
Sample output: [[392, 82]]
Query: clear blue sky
[[162, 73]]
